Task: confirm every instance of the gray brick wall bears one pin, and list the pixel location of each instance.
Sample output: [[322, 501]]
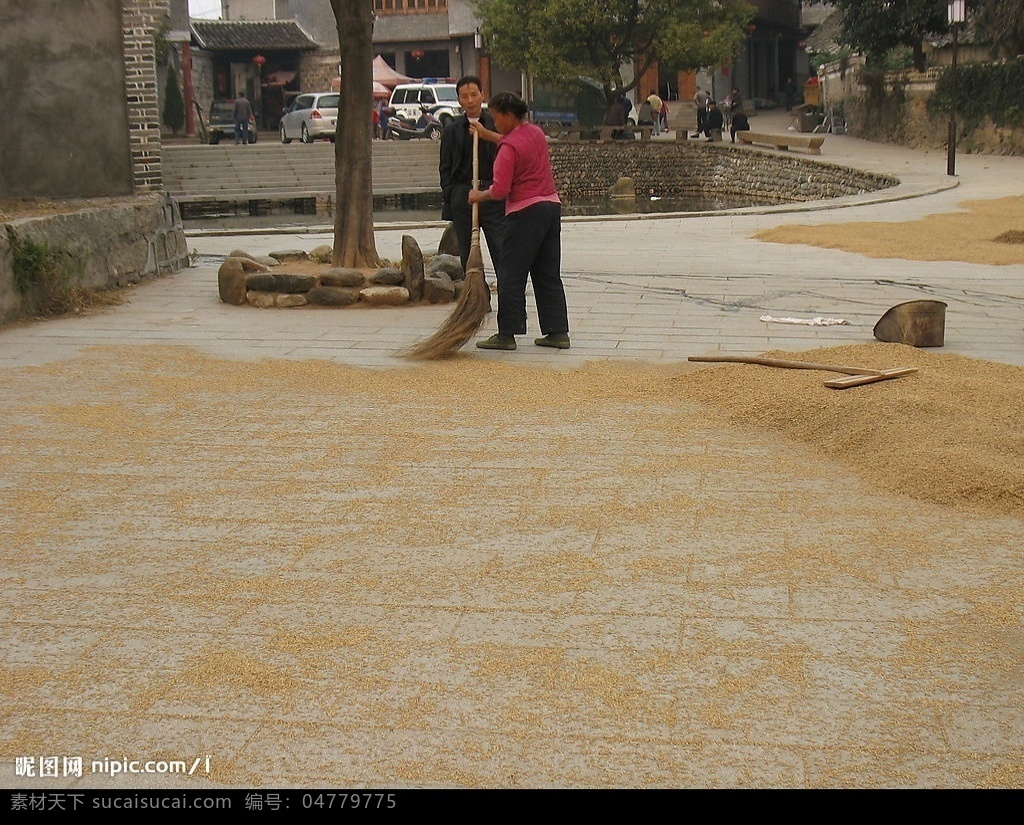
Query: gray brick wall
[[140, 19]]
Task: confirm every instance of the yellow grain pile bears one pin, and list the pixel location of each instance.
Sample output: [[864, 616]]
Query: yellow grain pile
[[951, 434], [982, 234]]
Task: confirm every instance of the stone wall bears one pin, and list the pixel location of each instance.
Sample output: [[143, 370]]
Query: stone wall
[[692, 168], [900, 114], [110, 244]]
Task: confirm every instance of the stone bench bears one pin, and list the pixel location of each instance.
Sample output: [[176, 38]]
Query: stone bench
[[812, 143], [606, 132]]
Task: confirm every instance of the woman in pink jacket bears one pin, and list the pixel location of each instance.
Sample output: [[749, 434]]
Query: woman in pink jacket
[[532, 245]]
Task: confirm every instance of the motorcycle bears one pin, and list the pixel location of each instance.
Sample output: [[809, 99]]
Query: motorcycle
[[400, 128]]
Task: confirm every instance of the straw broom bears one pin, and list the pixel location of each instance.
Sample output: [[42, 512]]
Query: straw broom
[[475, 301]]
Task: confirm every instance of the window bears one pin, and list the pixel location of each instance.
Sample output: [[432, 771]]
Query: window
[[409, 6]]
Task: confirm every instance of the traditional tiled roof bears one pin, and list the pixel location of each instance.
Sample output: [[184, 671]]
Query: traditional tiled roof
[[244, 35], [825, 38]]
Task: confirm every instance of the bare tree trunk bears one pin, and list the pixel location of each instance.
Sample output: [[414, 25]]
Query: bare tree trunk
[[353, 144]]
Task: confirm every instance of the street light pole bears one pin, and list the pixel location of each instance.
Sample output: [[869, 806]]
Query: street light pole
[[956, 14]]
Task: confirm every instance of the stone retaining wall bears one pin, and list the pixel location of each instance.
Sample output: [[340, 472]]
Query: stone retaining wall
[[690, 168], [112, 244]]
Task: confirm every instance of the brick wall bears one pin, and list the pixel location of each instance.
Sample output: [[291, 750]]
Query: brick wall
[[140, 19]]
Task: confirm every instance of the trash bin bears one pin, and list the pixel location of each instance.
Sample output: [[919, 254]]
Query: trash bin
[[807, 118], [812, 91]]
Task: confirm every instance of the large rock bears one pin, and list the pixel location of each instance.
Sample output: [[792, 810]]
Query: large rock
[[623, 188], [261, 282], [332, 296], [231, 278], [451, 265], [263, 300], [438, 288], [290, 255], [322, 254], [387, 276], [412, 267], [342, 276], [294, 283], [265, 260], [385, 295], [449, 244], [290, 300]]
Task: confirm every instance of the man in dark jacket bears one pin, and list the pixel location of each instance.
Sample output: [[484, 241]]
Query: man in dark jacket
[[242, 113], [456, 171], [714, 122]]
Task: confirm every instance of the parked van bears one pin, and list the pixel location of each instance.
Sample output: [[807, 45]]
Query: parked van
[[439, 99]]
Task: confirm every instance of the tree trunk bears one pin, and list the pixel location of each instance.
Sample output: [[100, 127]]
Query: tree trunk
[[920, 64], [353, 144]]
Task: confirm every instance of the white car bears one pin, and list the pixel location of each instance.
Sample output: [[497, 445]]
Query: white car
[[311, 116], [440, 99]]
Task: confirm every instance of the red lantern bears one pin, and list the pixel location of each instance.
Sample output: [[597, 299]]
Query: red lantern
[[259, 60], [419, 54], [752, 28]]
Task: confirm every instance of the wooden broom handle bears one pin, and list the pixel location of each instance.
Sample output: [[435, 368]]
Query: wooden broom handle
[[476, 180]]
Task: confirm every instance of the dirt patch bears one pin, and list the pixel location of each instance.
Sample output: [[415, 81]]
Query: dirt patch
[[973, 236]]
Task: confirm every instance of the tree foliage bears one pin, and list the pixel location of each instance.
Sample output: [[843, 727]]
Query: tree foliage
[[354, 244], [994, 93], [174, 103], [877, 27], [556, 39], [1002, 21]]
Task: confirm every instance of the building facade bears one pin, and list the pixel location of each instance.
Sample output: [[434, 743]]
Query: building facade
[[441, 39]]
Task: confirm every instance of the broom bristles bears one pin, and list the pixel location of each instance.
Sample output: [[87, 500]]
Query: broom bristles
[[475, 301], [465, 320]]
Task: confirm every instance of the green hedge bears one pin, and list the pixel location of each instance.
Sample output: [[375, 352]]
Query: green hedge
[[993, 89]]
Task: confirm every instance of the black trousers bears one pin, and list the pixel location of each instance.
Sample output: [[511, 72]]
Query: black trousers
[[492, 223], [532, 248]]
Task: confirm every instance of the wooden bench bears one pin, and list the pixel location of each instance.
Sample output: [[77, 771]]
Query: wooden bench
[[606, 132], [812, 143]]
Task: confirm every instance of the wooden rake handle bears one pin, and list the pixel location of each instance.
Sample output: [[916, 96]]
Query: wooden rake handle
[[780, 362], [858, 376]]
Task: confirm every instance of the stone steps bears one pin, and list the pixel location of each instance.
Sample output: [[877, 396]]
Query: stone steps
[[274, 170]]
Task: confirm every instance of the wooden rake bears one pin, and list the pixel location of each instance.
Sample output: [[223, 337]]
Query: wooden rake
[[856, 376]]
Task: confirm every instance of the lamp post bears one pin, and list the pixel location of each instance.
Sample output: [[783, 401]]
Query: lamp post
[[956, 15]]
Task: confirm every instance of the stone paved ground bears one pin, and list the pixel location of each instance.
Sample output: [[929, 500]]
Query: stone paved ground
[[261, 537]]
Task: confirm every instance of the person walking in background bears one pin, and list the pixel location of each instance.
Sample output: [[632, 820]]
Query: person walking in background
[[242, 115], [700, 100], [456, 171], [533, 246], [664, 116], [735, 101], [789, 90], [656, 107]]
